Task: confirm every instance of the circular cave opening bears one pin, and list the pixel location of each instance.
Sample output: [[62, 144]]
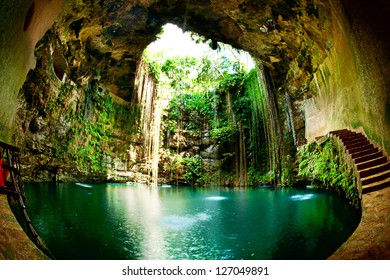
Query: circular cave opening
[[202, 105], [173, 42]]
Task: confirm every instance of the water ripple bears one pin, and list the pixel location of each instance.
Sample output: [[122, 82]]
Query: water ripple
[[301, 197]]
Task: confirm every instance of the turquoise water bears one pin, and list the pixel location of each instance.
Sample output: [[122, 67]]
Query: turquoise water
[[119, 221]]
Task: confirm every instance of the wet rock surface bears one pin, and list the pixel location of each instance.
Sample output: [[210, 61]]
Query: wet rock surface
[[14, 243], [370, 241]]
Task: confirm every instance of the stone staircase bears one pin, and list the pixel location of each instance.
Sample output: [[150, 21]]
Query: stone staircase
[[372, 167]]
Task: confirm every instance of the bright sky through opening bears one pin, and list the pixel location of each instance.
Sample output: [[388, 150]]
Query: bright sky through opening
[[174, 42]]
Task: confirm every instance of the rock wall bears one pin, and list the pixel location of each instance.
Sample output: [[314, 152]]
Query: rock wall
[[22, 24], [181, 149], [77, 130], [329, 56], [351, 87]]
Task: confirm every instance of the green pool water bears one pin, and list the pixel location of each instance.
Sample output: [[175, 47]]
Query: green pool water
[[121, 221]]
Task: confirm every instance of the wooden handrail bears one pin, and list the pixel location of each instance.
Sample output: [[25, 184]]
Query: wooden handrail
[[14, 186], [9, 147]]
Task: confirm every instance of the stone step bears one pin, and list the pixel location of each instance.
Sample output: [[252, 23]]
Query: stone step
[[346, 136], [353, 137], [374, 170], [357, 144], [336, 132], [376, 186], [371, 163], [368, 157], [362, 153], [376, 178], [351, 140], [359, 149], [350, 134]]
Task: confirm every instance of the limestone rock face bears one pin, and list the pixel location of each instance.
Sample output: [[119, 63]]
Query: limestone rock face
[[290, 37], [106, 38], [211, 152], [329, 57], [76, 130]]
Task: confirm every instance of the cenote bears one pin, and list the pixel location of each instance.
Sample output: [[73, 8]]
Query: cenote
[[122, 221]]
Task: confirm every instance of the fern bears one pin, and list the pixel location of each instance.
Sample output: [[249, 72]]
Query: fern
[[324, 163]]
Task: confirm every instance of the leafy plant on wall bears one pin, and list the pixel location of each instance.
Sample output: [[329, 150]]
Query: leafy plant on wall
[[193, 170], [209, 98], [90, 138], [324, 166]]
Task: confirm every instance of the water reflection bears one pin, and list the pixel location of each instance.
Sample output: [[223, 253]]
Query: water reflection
[[140, 208], [300, 197], [176, 222], [119, 221], [216, 198], [84, 185]]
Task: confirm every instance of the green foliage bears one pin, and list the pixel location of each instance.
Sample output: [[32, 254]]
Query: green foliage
[[153, 67], [223, 111], [178, 70], [197, 107], [89, 139], [325, 165], [193, 170], [210, 96], [232, 83], [173, 164], [259, 132], [224, 133], [288, 175], [64, 91], [256, 177], [90, 143]]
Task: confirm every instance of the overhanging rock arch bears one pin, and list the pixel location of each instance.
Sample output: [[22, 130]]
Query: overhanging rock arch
[[311, 48], [311, 57], [288, 37], [276, 32]]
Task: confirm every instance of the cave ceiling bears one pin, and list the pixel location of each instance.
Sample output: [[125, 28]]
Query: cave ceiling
[[106, 38]]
